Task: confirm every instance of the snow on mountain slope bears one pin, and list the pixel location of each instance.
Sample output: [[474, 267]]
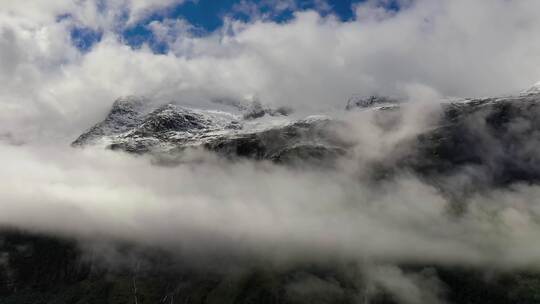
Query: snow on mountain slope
[[131, 127]]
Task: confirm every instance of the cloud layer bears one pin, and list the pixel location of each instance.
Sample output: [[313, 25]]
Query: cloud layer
[[207, 205], [52, 91], [457, 48]]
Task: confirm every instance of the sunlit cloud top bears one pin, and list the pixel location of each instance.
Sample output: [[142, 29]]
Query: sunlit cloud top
[[64, 62]]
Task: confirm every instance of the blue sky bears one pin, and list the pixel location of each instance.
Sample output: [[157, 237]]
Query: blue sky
[[65, 59], [208, 15]]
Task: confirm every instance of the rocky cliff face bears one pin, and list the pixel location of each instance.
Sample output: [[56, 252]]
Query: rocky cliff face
[[498, 137]]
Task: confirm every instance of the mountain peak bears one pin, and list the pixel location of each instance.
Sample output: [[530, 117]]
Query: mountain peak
[[126, 112]]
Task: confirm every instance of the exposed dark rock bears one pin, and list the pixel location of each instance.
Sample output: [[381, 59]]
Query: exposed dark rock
[[358, 101], [257, 110], [494, 142]]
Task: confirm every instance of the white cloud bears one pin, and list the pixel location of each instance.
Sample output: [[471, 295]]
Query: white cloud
[[231, 207], [415, 288], [452, 47], [51, 92], [139, 8]]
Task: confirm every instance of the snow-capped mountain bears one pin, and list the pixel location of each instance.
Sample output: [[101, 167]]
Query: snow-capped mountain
[[129, 126], [492, 134], [129, 120]]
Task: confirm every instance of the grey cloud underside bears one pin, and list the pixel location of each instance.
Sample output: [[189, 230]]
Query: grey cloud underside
[[36, 268]]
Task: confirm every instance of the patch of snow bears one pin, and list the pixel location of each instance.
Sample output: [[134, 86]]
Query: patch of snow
[[535, 89]]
